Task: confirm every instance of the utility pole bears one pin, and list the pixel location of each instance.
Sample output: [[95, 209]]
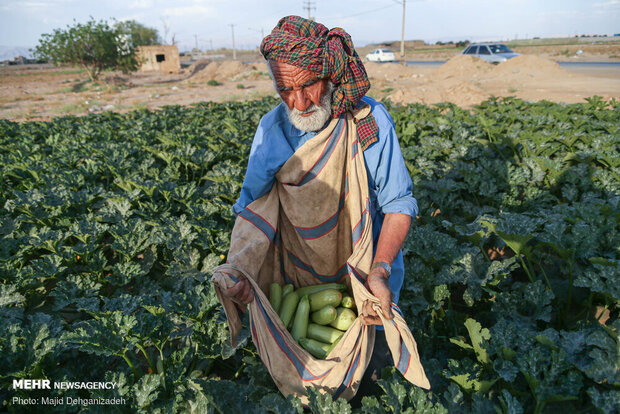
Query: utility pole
[[402, 38], [232, 26], [196, 39], [309, 5]]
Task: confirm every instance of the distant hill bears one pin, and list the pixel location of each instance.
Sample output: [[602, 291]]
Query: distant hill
[[11, 52]]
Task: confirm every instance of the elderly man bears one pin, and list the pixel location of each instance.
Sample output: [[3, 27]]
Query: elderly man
[[319, 77]]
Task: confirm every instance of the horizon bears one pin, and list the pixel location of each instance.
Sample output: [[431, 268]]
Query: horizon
[[207, 24]]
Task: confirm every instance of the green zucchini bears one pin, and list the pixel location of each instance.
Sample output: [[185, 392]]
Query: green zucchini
[[344, 320], [332, 346], [324, 298], [324, 316], [287, 310], [323, 333], [300, 324], [316, 348], [308, 290], [348, 302], [275, 296], [288, 288]]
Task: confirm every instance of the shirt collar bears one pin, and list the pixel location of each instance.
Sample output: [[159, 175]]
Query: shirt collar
[[293, 131]]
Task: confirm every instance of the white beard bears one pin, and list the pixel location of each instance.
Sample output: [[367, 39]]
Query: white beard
[[320, 113]]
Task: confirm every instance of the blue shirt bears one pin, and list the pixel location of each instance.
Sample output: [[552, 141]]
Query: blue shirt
[[389, 182]]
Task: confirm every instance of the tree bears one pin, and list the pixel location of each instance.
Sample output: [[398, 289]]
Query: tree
[[140, 34], [94, 45]]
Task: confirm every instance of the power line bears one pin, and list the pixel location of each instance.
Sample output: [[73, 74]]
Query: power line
[[360, 13]]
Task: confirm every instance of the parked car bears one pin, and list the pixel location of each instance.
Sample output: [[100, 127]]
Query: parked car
[[381, 55], [491, 52]]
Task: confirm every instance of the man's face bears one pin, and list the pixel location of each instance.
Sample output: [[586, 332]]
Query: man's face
[[307, 98]]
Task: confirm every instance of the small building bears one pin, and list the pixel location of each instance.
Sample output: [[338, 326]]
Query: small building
[[160, 58]]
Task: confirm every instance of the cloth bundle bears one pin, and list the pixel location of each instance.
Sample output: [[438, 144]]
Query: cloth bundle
[[313, 227]]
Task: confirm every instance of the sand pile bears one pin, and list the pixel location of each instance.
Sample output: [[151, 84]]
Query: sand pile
[[387, 71], [228, 70], [198, 66], [529, 66], [453, 90], [463, 67], [467, 80]]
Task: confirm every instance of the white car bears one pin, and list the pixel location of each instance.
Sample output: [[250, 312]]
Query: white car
[[381, 55]]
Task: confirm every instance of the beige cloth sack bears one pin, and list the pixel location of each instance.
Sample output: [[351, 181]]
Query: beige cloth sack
[[314, 226]]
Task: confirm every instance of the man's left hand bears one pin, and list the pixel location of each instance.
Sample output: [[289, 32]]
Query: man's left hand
[[377, 283]]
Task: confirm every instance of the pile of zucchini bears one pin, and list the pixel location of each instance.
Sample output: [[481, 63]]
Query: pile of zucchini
[[316, 316]]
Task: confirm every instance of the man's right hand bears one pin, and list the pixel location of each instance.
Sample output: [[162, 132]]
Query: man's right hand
[[242, 291]]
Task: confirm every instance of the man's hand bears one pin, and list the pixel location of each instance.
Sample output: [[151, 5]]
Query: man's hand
[[377, 283], [242, 292]]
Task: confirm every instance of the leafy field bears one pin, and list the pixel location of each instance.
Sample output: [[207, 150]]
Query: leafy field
[[110, 225]]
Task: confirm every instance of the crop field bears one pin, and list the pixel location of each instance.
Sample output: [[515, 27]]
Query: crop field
[[110, 225]]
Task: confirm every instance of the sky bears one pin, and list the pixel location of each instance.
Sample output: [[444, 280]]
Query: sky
[[207, 23]]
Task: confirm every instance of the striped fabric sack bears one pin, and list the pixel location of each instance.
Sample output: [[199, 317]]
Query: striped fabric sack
[[314, 227]]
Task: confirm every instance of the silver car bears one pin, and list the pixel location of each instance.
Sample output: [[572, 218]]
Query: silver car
[[491, 52]]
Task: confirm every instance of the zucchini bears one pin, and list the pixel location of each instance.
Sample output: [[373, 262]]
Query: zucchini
[[288, 288], [287, 310], [324, 316], [300, 324], [317, 349], [332, 346], [323, 333], [308, 290], [275, 296], [348, 302], [344, 320], [324, 298]]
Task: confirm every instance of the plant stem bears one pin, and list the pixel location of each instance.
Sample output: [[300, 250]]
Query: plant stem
[[529, 275], [570, 290], [135, 371], [146, 355], [484, 253], [542, 269]]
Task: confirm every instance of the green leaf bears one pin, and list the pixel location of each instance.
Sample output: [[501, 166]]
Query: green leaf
[[324, 403], [510, 405], [607, 401], [147, 390], [274, 403], [10, 296], [478, 335]]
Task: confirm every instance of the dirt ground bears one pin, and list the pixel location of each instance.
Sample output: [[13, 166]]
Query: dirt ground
[[42, 92]]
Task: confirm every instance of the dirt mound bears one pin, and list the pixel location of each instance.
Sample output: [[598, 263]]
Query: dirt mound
[[198, 66], [457, 91], [463, 67], [228, 70], [531, 66], [231, 68], [387, 71]]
